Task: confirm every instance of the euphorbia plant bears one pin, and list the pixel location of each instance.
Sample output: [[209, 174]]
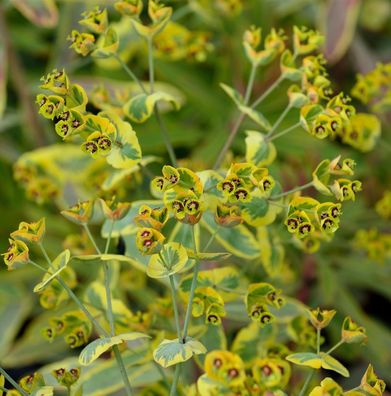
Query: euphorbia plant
[[171, 234]]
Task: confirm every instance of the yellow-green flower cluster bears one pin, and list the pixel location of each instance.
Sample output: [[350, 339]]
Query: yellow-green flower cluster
[[373, 88], [311, 221], [273, 45], [176, 42], [182, 193], [260, 298], [376, 244], [100, 41], [383, 206], [73, 326]]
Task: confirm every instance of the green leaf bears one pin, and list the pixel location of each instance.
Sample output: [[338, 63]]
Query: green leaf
[[248, 339], [321, 177], [97, 347], [171, 259], [254, 212], [15, 305], [308, 359], [258, 151], [238, 240], [126, 151], [171, 352], [257, 117], [225, 280], [272, 251], [233, 94], [330, 363], [140, 107], [58, 265], [107, 45], [118, 176], [207, 386], [102, 377]]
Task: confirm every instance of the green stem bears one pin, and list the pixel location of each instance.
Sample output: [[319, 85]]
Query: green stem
[[73, 296], [45, 254], [175, 304], [106, 269], [12, 382], [173, 391], [164, 376], [307, 382], [284, 132], [87, 229], [279, 120], [337, 345], [212, 238], [192, 290], [163, 129], [299, 188], [166, 137], [267, 92], [318, 341], [238, 122], [110, 315], [109, 236], [122, 369], [130, 73], [151, 65], [99, 328], [250, 84]]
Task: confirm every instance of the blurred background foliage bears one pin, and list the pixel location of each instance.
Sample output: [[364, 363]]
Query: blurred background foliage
[[358, 35]]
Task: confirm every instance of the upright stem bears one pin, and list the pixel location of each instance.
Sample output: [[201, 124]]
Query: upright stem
[[110, 315], [163, 129], [175, 304], [337, 345], [70, 293], [165, 136], [122, 369], [87, 229], [175, 380], [130, 73], [318, 341], [12, 382], [211, 239], [98, 327], [279, 120], [192, 291], [151, 64], [267, 92], [238, 122], [82, 307], [284, 132], [109, 236], [307, 382], [293, 190]]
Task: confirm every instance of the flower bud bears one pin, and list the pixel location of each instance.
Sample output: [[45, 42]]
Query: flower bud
[[30, 232], [16, 255], [352, 333], [149, 241]]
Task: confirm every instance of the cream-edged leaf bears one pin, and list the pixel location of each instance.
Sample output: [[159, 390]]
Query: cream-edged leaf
[[171, 352], [97, 347]]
